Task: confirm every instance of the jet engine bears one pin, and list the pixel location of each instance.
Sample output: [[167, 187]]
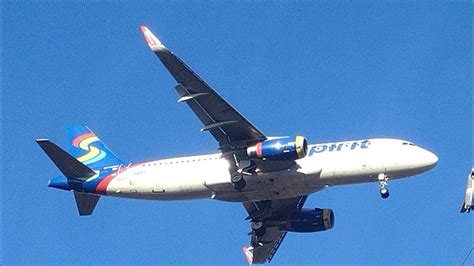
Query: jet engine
[[308, 220], [279, 149]]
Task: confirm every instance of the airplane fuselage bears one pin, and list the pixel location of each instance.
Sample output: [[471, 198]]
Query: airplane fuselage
[[325, 165]]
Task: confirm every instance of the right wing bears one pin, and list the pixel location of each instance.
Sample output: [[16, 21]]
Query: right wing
[[224, 122], [264, 247]]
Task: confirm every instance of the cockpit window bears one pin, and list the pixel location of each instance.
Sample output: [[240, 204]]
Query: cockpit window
[[408, 143]]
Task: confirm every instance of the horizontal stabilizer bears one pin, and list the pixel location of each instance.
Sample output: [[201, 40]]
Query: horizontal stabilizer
[[85, 202], [68, 165]]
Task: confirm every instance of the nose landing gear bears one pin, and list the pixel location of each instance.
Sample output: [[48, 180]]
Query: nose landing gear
[[383, 179]]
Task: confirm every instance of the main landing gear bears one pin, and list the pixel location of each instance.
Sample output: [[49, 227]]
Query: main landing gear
[[258, 228], [238, 181], [383, 179], [245, 168]]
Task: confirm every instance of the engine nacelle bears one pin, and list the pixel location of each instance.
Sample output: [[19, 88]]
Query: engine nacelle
[[308, 220], [279, 149]]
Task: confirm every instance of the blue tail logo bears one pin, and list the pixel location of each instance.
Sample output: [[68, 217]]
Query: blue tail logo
[[87, 148]]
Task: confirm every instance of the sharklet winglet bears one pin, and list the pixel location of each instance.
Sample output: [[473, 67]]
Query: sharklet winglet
[[248, 253], [152, 41]]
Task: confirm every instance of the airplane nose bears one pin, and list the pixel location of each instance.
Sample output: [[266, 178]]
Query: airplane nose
[[430, 159]]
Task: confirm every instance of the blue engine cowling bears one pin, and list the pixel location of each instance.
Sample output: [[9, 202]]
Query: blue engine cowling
[[279, 149], [308, 220]]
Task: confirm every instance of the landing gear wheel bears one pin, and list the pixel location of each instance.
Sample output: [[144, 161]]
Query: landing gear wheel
[[238, 181], [384, 193], [256, 225], [258, 228]]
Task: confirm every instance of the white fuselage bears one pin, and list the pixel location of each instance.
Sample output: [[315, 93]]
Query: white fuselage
[[327, 164]]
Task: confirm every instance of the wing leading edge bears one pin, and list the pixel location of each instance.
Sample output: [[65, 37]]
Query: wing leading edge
[[225, 123]]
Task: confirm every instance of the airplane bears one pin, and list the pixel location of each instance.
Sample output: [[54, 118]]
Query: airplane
[[467, 204], [271, 176]]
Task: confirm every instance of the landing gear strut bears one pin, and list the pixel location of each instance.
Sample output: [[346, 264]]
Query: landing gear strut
[[383, 179]]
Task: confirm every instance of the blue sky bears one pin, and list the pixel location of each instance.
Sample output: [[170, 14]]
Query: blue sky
[[330, 71]]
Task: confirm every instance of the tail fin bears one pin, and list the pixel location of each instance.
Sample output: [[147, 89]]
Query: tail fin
[[86, 154], [88, 149], [72, 169]]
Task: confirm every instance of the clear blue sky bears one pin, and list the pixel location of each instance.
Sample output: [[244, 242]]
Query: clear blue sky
[[330, 71]]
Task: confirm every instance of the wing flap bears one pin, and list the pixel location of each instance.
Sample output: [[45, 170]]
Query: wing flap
[[265, 247]]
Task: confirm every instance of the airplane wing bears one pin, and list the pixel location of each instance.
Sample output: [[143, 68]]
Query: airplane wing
[[263, 248], [226, 124]]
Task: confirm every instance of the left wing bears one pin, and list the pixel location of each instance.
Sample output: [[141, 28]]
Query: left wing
[[263, 248], [227, 125]]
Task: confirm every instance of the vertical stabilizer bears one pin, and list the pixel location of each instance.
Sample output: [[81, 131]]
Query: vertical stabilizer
[[88, 149]]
